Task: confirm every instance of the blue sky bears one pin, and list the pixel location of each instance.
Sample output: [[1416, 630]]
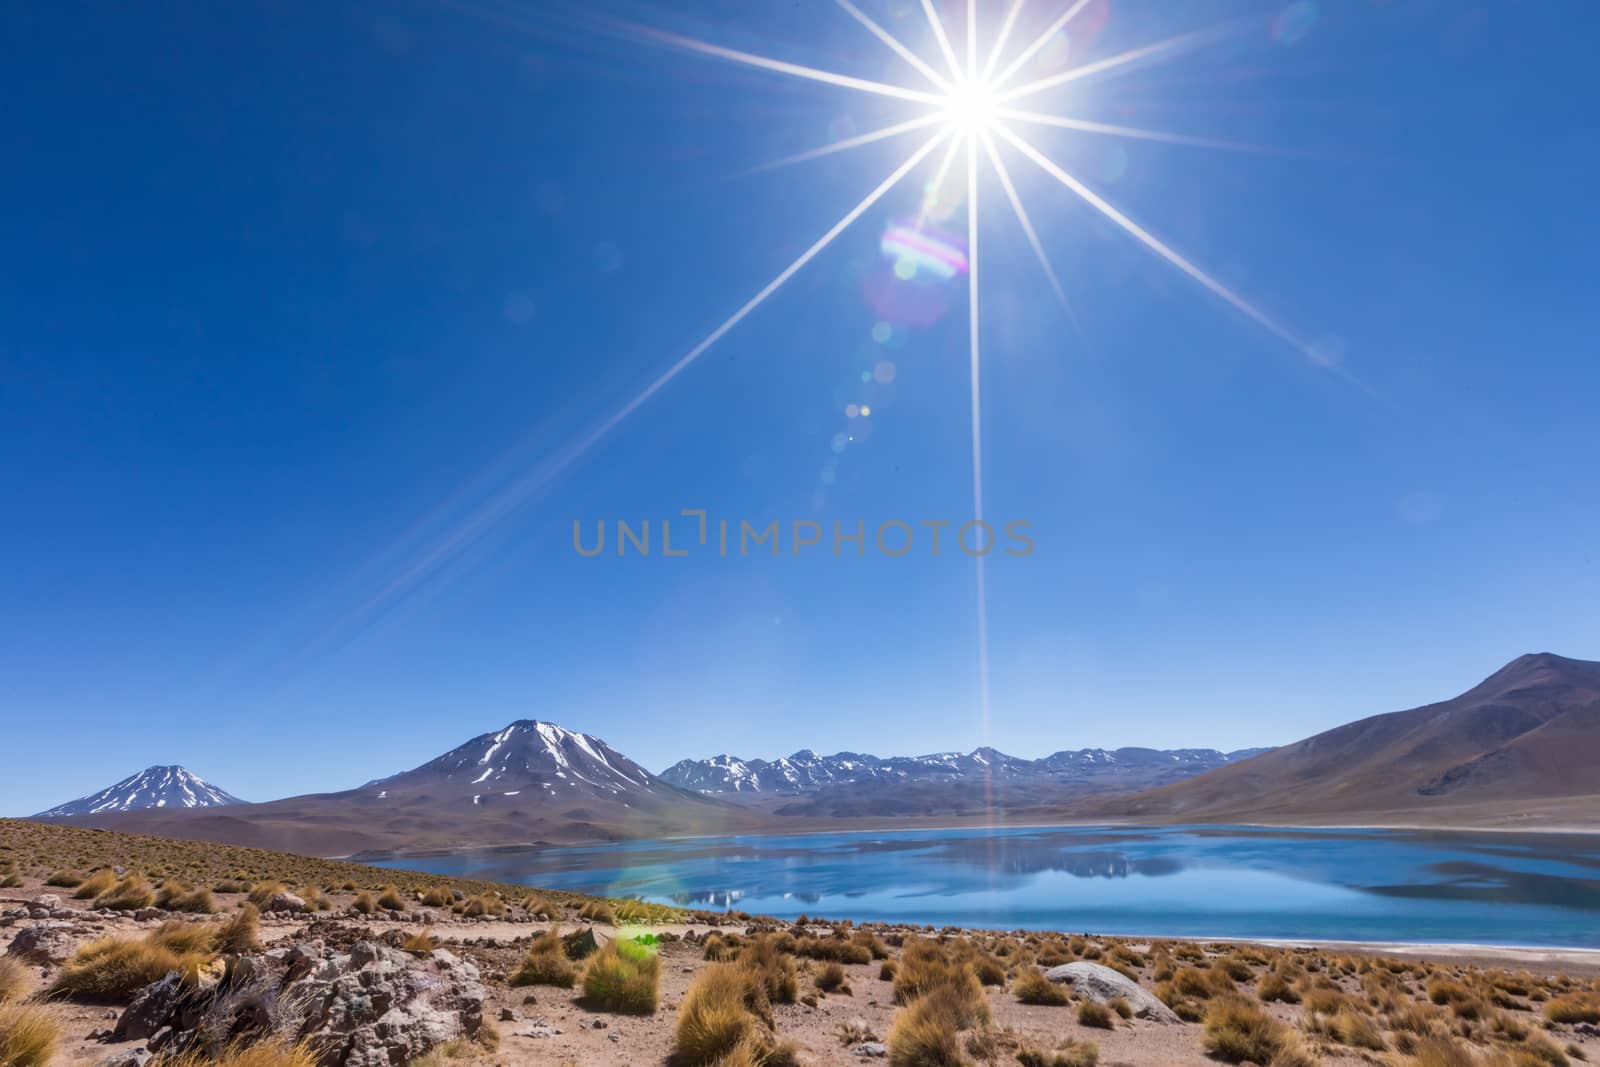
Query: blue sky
[[300, 302]]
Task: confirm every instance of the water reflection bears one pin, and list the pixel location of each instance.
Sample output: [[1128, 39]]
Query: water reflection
[[1210, 880]]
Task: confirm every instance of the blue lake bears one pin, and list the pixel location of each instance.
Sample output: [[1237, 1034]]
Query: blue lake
[[1527, 889]]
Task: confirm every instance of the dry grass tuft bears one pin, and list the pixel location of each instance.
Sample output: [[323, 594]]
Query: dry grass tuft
[[1096, 1015], [28, 1036], [176, 896], [1070, 1054], [389, 899], [1574, 1008], [130, 894], [539, 907], [365, 903], [1238, 1031], [545, 964], [13, 980], [419, 944], [113, 969], [622, 977], [94, 885], [261, 893], [260, 1054], [65, 879], [438, 896], [832, 979], [924, 1036], [1032, 987], [598, 911], [241, 933], [717, 1017]]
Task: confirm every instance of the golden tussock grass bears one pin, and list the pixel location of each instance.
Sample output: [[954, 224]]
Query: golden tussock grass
[[261, 893], [389, 899], [113, 969], [1032, 987], [1237, 1031], [129, 894], [241, 932], [482, 904], [178, 896], [438, 896], [1070, 1054], [832, 979], [539, 907], [259, 1054], [718, 1016], [598, 911], [545, 963], [28, 1036], [419, 944], [1096, 1015], [13, 980], [622, 977], [771, 970], [1574, 1008], [65, 879], [365, 903], [924, 1036]]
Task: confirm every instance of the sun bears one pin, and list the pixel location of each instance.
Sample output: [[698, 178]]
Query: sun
[[972, 107]]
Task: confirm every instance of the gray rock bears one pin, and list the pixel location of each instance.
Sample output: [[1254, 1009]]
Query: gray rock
[[152, 1008], [377, 1007], [286, 902], [43, 943], [1100, 983], [133, 1058], [144, 915]]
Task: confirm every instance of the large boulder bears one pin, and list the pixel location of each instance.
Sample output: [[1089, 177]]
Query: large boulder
[[1100, 983], [374, 1006], [153, 1008], [48, 942]]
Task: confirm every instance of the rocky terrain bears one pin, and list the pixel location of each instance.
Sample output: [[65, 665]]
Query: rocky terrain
[[375, 968]]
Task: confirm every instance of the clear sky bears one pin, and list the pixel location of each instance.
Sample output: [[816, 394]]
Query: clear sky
[[305, 308]]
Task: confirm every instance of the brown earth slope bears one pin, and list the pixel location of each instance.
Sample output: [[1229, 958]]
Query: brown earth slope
[[1524, 744]]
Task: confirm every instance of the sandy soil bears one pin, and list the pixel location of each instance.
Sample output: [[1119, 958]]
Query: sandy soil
[[589, 1038]]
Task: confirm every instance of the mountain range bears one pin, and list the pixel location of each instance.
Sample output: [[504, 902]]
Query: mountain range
[[806, 772], [1522, 748]]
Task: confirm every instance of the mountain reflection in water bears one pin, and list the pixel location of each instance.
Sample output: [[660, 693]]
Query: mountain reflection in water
[[1200, 881]]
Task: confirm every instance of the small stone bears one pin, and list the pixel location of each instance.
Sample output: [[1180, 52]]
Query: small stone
[[599, 1024]]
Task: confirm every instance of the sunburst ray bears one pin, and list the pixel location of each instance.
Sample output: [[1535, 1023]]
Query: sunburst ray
[[1156, 245], [895, 45]]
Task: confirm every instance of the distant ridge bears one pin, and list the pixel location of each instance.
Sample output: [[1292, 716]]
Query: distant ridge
[[1523, 744], [154, 787], [806, 772]]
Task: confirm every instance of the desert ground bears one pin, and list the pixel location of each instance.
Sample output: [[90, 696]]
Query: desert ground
[[402, 967]]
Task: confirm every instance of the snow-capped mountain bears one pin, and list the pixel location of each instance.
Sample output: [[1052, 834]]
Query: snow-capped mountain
[[528, 758], [153, 787], [805, 771]]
